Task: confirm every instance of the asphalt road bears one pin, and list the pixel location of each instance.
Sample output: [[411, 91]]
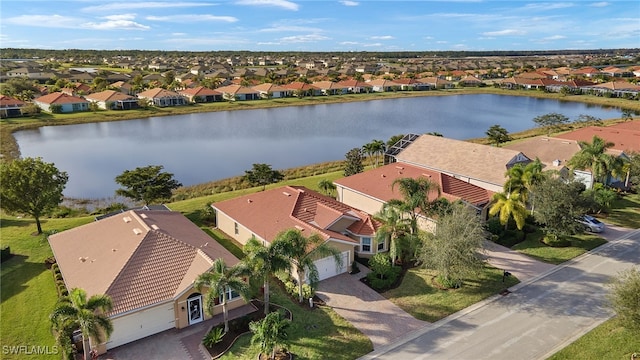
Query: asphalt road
[[538, 318]]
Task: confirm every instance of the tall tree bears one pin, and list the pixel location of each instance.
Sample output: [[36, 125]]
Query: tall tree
[[262, 174], [32, 186], [327, 186], [270, 333], [353, 163], [559, 204], [395, 231], [147, 184], [523, 178], [509, 205], [394, 139], [303, 251], [264, 261], [375, 149], [415, 196], [551, 121], [455, 251], [593, 156], [86, 314], [219, 281], [497, 135]]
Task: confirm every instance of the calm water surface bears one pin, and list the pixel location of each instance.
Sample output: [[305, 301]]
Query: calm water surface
[[202, 147]]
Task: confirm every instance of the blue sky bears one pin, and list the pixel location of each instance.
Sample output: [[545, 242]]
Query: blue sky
[[348, 25]]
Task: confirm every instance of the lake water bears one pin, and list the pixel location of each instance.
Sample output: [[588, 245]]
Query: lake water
[[198, 148]]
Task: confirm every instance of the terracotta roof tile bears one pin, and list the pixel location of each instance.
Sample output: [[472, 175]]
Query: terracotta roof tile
[[8, 101], [59, 98], [109, 95], [200, 91], [625, 137], [157, 93]]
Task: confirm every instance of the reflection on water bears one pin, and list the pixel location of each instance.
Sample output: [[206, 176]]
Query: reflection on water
[[202, 147]]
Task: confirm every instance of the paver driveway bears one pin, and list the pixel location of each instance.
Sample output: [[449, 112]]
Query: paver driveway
[[371, 313]]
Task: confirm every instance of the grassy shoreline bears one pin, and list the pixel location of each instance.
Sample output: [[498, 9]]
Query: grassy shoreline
[[10, 149]]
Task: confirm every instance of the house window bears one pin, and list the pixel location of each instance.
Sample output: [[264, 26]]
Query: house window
[[231, 295], [366, 244], [381, 246], [235, 229]]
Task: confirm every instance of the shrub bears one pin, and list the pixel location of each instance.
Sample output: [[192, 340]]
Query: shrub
[[213, 337], [379, 284], [511, 237], [354, 268], [493, 226], [555, 241]]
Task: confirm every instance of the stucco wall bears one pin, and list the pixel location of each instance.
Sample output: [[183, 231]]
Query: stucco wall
[[227, 225], [358, 201], [181, 316]]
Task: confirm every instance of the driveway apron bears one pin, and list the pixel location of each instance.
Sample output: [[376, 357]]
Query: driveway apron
[[375, 316], [521, 266]]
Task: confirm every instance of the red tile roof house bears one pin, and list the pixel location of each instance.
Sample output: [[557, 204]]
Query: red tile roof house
[[481, 165], [68, 103], [303, 89], [113, 100], [238, 92], [201, 94], [146, 261], [267, 90], [265, 214], [382, 85], [371, 189], [355, 87], [10, 107]]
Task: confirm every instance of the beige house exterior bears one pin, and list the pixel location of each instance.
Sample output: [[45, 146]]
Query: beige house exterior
[[146, 261], [265, 214]]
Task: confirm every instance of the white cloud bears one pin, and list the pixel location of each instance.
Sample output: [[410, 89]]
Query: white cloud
[[384, 37], [548, 6], [115, 25], [372, 45], [555, 37], [142, 5], [348, 43], [505, 32], [50, 21], [292, 28], [349, 3], [600, 4], [188, 18], [288, 5], [303, 38], [268, 43]]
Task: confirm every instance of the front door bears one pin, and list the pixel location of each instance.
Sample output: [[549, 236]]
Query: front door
[[194, 305]]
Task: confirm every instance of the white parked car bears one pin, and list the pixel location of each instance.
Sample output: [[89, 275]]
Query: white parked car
[[591, 224]]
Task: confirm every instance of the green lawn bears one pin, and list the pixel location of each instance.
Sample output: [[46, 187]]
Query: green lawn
[[607, 341], [28, 290], [417, 295], [580, 244], [314, 334], [625, 212]]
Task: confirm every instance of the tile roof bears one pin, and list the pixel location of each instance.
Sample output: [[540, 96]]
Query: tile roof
[[236, 89], [547, 149], [298, 85], [139, 258], [8, 101], [377, 183], [269, 212], [158, 93], [456, 157], [200, 91], [59, 98], [268, 87], [625, 137], [109, 95]]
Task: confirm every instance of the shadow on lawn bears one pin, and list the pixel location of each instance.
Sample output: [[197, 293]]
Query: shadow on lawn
[[16, 272]]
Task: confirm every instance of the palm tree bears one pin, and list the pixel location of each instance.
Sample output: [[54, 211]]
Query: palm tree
[[87, 315], [326, 186], [264, 261], [394, 229], [302, 251], [219, 281], [523, 178], [270, 332], [593, 156], [377, 148], [509, 205], [415, 194], [369, 149]]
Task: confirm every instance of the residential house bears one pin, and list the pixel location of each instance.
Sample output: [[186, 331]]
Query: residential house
[[302, 89], [146, 262], [113, 100], [67, 103], [238, 92], [412, 84], [263, 215], [355, 87], [10, 107], [470, 80], [624, 136], [76, 89], [161, 97], [437, 83], [330, 87], [383, 85], [481, 165], [201, 94], [370, 190], [123, 87], [269, 90]]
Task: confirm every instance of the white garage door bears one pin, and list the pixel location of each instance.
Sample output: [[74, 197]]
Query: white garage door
[[327, 266], [141, 324]]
